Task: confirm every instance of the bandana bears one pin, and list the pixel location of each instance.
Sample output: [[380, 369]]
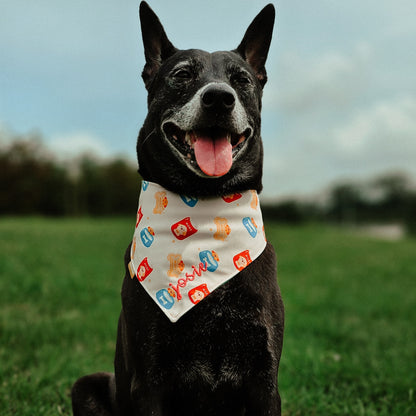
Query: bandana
[[184, 248]]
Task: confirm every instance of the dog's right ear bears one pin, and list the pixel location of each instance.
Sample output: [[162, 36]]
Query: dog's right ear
[[157, 46]]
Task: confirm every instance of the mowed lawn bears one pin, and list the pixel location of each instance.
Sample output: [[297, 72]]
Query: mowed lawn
[[350, 338]]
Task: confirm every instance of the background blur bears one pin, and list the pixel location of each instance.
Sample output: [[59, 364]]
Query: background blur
[[339, 107]]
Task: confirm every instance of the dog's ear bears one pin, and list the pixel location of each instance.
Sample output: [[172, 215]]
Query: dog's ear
[[256, 42], [157, 46]]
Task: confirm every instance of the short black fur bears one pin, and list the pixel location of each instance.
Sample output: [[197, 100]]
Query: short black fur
[[151, 149], [222, 357]]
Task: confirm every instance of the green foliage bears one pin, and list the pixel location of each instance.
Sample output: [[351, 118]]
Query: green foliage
[[350, 344], [29, 181], [390, 198], [34, 182]]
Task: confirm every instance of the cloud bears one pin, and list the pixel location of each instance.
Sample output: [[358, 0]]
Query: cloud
[[330, 80], [382, 135], [370, 141], [69, 145], [344, 114]]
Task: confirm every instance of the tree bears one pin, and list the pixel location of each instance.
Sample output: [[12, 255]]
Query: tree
[[345, 200]]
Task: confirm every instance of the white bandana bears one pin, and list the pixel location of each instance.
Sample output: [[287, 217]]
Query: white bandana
[[184, 248]]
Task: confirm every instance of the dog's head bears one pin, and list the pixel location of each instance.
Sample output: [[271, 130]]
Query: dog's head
[[202, 132]]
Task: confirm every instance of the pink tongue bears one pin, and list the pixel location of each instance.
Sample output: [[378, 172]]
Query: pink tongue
[[214, 156]]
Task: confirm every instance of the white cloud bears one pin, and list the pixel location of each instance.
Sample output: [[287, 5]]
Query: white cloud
[[339, 115], [383, 134], [329, 80], [69, 145], [370, 141]]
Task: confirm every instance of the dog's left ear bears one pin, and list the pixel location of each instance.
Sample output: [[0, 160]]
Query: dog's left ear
[[256, 42], [157, 46]]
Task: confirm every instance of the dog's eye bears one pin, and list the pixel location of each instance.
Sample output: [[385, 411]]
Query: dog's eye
[[240, 79], [182, 74]]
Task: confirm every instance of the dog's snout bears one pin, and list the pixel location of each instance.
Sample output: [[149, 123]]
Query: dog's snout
[[218, 98]]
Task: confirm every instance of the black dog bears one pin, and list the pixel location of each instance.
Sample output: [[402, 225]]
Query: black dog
[[201, 138]]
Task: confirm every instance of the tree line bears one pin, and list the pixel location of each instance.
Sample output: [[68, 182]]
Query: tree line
[[388, 198], [34, 182]]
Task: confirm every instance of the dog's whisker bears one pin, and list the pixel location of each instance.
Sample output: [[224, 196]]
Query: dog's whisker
[[148, 137]]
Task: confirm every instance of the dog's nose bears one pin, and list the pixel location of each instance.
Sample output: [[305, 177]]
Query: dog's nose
[[218, 98]]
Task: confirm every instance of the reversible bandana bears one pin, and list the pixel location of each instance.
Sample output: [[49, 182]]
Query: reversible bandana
[[184, 248]]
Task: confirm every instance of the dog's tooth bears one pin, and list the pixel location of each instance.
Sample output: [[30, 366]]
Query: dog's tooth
[[188, 139]]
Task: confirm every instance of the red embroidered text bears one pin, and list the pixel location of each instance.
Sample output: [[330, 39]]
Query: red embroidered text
[[189, 278]]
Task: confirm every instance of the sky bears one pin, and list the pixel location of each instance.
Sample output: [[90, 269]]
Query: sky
[[340, 102]]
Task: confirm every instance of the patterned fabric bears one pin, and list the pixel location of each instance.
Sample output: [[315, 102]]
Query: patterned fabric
[[184, 248]]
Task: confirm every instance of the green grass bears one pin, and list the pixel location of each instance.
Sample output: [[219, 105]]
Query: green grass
[[350, 338]]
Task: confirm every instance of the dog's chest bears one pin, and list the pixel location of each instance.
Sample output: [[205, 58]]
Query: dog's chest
[[213, 345]]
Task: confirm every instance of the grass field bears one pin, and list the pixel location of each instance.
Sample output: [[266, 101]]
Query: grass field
[[350, 339]]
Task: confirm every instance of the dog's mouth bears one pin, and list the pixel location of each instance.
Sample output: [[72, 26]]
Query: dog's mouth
[[211, 149]]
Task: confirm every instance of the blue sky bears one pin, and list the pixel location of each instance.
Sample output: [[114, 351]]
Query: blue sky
[[340, 101]]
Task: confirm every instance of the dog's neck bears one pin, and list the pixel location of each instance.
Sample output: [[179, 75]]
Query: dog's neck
[[183, 247]]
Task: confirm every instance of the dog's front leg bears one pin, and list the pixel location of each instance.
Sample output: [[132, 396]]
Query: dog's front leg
[[140, 402], [260, 404], [134, 397]]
